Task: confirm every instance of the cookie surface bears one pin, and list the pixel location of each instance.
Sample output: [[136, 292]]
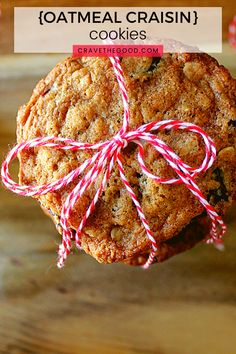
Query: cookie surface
[[192, 234], [80, 100]]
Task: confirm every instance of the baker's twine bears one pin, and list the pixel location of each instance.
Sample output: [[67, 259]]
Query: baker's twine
[[102, 162]]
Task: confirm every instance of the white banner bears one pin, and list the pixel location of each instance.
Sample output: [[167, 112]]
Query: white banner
[[57, 29]]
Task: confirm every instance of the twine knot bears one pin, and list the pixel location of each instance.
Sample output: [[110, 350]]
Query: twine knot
[[120, 140]]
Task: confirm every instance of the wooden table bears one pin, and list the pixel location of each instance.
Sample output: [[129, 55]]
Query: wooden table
[[184, 306]]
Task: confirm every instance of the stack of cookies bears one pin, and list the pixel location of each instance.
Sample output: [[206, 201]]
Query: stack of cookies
[[80, 99]]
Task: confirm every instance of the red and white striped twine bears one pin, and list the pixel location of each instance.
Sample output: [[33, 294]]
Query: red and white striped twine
[[101, 163]]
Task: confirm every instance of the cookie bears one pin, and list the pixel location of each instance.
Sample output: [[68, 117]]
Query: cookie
[[195, 232], [80, 99]]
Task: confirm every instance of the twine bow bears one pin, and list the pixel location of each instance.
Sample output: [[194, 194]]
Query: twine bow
[[101, 163]]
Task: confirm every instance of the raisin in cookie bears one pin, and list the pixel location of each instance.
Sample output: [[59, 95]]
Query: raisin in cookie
[[80, 99]]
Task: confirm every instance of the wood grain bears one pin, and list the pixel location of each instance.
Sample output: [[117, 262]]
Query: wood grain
[[184, 306]]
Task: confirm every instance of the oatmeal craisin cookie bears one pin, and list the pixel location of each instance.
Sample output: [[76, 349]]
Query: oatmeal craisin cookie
[[80, 99]]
